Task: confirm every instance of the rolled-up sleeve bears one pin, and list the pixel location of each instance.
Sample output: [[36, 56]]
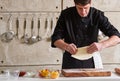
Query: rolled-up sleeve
[[106, 27], [59, 30]]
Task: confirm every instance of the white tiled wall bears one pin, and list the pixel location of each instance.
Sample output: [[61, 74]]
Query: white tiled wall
[[15, 55]]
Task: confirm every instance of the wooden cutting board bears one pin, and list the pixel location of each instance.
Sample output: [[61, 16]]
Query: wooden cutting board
[[117, 70], [85, 72]]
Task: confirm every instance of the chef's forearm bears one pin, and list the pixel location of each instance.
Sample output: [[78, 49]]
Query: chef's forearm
[[113, 40], [61, 44]]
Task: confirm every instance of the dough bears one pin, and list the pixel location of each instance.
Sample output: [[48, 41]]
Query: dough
[[82, 54]]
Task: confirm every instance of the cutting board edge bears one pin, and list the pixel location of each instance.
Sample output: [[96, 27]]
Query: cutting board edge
[[87, 74]]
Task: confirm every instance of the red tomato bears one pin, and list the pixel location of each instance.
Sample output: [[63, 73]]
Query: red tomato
[[22, 73]]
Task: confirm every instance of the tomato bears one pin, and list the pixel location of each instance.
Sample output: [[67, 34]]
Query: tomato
[[22, 73]]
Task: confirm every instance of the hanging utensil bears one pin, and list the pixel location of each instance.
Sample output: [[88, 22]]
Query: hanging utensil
[[39, 38], [17, 27], [47, 28], [24, 38], [33, 38], [9, 35], [50, 31]]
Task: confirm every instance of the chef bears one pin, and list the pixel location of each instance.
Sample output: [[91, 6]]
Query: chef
[[77, 27]]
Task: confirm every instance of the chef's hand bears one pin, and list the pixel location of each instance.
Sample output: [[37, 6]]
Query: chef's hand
[[71, 48], [94, 47]]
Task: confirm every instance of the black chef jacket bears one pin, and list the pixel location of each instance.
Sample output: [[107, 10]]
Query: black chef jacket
[[82, 31]]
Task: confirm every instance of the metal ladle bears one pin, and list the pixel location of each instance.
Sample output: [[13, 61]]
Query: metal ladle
[[9, 35], [33, 38], [39, 38], [17, 27], [46, 29], [50, 31], [24, 38]]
